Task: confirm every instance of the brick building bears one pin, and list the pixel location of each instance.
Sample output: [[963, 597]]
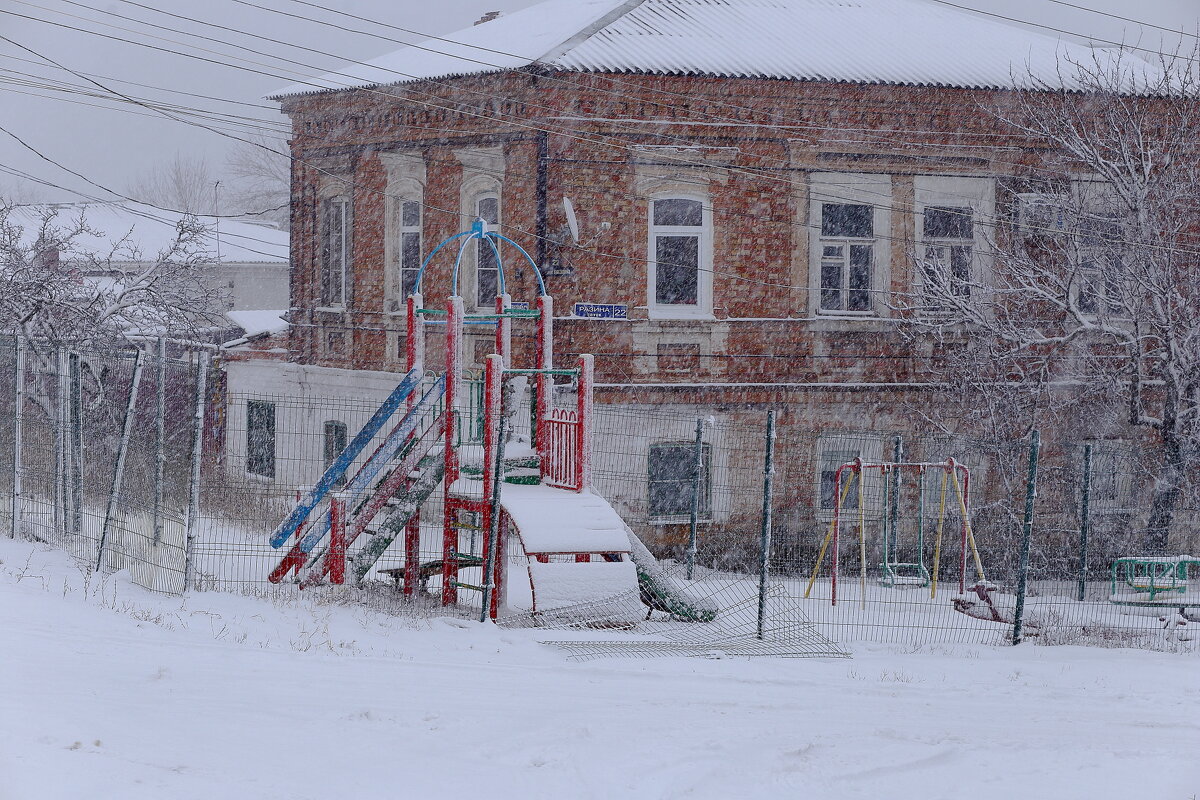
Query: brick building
[[749, 179]]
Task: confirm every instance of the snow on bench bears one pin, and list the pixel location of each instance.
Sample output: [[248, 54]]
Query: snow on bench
[[561, 521]]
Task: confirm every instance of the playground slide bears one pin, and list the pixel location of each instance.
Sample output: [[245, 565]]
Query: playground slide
[[555, 521], [662, 592]]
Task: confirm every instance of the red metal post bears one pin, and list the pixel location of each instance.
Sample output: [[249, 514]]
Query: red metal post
[[414, 337], [583, 441], [951, 467], [412, 553], [544, 360], [504, 329], [337, 539], [454, 330]]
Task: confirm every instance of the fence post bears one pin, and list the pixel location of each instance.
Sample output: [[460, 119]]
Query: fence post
[[18, 509], [490, 601], [1026, 535], [76, 369], [119, 469], [764, 544], [1085, 520], [62, 510], [160, 436], [193, 518], [694, 517]]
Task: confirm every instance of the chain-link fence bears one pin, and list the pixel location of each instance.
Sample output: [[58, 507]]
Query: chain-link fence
[[147, 463]]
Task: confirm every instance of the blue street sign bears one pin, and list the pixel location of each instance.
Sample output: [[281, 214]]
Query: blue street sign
[[601, 310]]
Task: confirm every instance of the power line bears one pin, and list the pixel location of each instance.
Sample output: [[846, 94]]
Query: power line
[[1143, 23], [455, 212]]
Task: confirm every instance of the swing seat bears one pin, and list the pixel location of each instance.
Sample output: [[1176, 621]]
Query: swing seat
[[904, 574]]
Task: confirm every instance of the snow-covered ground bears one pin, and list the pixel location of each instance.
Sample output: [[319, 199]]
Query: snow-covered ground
[[112, 692]]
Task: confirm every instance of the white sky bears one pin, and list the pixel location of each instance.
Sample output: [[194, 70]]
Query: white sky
[[112, 147]]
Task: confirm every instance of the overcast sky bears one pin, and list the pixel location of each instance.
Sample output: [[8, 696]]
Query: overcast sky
[[112, 147]]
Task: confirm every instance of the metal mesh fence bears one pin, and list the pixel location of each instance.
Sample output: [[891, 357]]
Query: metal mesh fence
[[107, 473]]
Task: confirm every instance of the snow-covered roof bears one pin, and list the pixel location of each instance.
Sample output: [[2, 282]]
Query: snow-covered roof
[[152, 230], [856, 41], [258, 321]]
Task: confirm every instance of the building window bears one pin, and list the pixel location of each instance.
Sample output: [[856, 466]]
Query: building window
[[949, 237], [847, 257], [260, 438], [1099, 287], [335, 442], [680, 229], [672, 475], [827, 479], [1110, 489], [408, 247], [1101, 268], [487, 269], [335, 252]]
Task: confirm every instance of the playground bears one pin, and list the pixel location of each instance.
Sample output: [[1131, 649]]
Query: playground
[[503, 491], [223, 694]]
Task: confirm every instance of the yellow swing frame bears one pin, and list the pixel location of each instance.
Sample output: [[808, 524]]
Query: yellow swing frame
[[950, 469]]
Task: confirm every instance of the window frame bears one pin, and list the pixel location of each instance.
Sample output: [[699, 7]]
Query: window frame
[[257, 451], [706, 472], [703, 234], [1119, 485], [482, 250], [973, 191], [327, 299], [846, 260], [948, 244], [868, 446], [396, 293], [875, 189]]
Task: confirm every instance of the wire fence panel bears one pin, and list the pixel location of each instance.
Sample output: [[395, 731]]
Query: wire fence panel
[[860, 549]]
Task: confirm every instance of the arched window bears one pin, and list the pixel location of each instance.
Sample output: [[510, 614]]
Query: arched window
[[487, 270], [680, 260], [335, 251], [407, 252]]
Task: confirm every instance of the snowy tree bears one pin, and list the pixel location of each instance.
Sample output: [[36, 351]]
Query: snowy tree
[[1090, 297], [56, 291]]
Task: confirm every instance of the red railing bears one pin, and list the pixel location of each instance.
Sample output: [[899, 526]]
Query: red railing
[[563, 437]]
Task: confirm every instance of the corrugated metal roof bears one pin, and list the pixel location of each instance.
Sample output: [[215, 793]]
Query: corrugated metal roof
[[858, 41]]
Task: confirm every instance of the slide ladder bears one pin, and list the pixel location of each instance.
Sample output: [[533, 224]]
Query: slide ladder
[[386, 473]]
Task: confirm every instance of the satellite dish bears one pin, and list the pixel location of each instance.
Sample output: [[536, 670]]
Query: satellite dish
[[572, 220]]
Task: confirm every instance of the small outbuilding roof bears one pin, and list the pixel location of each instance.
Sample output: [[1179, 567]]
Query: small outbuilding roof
[[854, 41]]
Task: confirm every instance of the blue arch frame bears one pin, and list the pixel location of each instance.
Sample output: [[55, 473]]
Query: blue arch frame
[[478, 231]]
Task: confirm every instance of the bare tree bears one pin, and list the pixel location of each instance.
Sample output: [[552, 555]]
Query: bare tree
[[46, 293], [261, 172], [1090, 301], [185, 183]]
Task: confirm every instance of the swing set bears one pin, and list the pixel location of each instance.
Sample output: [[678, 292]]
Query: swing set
[[955, 483]]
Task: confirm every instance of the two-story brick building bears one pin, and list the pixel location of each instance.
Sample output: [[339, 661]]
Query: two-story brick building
[[748, 179]]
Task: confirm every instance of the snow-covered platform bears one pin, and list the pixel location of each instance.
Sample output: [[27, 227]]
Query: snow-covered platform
[[561, 521]]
